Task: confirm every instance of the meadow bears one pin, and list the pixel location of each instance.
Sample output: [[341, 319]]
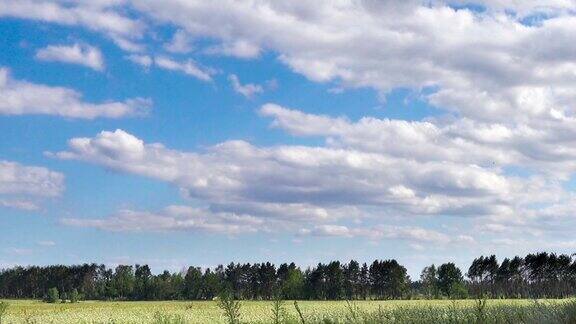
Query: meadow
[[398, 311]]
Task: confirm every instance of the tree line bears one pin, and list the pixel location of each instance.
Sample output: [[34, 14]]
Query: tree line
[[541, 275]]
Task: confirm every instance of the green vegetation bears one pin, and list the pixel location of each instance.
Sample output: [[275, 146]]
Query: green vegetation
[[230, 307], [541, 275], [310, 312], [335, 292], [3, 309], [74, 296], [53, 295]]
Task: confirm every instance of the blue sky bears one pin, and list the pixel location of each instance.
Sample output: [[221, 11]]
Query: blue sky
[[195, 133]]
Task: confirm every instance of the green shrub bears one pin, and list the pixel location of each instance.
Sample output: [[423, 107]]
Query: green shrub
[[74, 296], [53, 295]]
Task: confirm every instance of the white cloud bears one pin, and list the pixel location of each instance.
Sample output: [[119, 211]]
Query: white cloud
[[180, 43], [506, 90], [76, 54], [143, 60], [101, 16], [248, 90], [172, 218], [239, 48], [380, 232], [544, 146], [23, 187], [188, 67], [286, 187], [412, 44], [238, 171], [382, 45], [19, 204], [291, 187], [22, 98]]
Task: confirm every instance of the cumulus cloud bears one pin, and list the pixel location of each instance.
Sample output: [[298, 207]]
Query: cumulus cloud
[[545, 150], [248, 90], [287, 187], [434, 45], [76, 54], [23, 98], [450, 51], [23, 187], [237, 170], [322, 188], [506, 102], [413, 44]]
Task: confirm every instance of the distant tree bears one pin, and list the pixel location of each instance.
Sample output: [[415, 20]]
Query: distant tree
[[143, 283], [539, 275], [429, 281], [364, 281], [315, 284], [282, 272], [53, 295], [293, 285], [450, 280], [74, 296], [458, 290], [483, 273], [193, 283], [334, 280], [352, 284], [389, 279], [504, 278], [266, 279], [123, 281], [212, 284]]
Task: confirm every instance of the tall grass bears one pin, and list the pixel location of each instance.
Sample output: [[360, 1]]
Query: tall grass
[[300, 315], [3, 309], [230, 307], [160, 318], [278, 311], [480, 313]]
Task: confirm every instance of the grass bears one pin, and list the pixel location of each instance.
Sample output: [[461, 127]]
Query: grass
[[417, 311]]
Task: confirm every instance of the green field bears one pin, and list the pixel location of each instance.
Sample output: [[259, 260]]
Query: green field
[[27, 311]]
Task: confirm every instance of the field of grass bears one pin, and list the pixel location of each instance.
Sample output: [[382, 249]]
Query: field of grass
[[418, 311]]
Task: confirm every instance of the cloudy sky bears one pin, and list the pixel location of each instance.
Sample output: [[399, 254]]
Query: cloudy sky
[[181, 132]]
